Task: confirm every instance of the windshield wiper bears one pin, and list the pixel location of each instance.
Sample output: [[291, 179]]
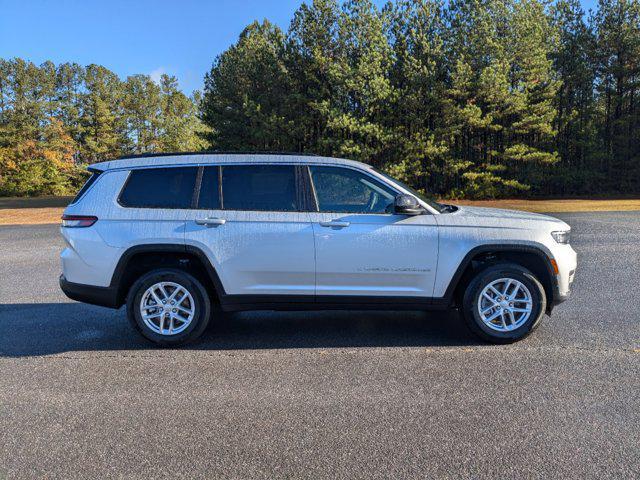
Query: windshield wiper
[[448, 208]]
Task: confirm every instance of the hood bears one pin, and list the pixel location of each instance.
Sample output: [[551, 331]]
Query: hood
[[499, 214]]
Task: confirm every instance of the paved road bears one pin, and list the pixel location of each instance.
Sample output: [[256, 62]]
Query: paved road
[[323, 395]]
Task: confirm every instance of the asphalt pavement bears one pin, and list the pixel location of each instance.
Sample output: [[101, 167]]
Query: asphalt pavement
[[322, 395]]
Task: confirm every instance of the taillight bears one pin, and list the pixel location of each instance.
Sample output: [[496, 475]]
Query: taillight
[[76, 221]]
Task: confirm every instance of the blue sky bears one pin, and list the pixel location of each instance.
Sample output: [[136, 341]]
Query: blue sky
[[180, 38]]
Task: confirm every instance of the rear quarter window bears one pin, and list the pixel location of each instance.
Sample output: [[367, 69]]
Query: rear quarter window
[[159, 188], [90, 181]]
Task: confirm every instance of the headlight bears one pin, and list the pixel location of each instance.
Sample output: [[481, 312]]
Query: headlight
[[561, 237]]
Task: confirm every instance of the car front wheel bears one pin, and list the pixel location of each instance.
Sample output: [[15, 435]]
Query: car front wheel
[[504, 303], [168, 307]]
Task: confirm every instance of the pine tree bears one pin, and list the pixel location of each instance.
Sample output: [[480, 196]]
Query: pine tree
[[69, 83], [316, 61], [534, 85], [142, 104], [419, 153], [501, 111], [355, 126], [102, 119], [618, 61], [245, 93], [575, 101], [180, 127]]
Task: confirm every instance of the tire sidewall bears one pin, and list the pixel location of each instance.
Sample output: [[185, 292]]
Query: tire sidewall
[[538, 299], [193, 286]]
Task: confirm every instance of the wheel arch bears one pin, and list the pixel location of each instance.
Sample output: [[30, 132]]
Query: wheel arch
[[477, 259], [140, 259]]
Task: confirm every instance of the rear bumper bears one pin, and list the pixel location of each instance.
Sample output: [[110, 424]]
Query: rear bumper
[[103, 296]]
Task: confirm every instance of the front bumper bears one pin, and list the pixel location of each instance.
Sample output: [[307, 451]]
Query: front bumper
[[103, 296], [560, 297]]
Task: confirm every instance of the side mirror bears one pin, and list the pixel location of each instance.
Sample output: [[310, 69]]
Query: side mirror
[[407, 205]]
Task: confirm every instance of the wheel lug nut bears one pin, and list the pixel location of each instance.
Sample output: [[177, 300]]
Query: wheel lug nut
[[174, 310]]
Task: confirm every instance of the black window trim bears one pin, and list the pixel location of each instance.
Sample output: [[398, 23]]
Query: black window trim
[[220, 196], [194, 205], [312, 196], [195, 196]]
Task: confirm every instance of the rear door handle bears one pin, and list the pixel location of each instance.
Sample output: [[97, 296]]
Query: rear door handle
[[335, 224], [211, 221]]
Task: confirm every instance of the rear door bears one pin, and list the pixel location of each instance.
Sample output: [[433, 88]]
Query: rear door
[[251, 223], [362, 247]]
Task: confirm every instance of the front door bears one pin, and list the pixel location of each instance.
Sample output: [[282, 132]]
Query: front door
[[250, 223], [362, 248]]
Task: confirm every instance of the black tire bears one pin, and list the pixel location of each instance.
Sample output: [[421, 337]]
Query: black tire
[[201, 301], [484, 278]]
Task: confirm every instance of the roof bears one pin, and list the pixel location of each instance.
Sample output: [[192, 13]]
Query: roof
[[171, 159]]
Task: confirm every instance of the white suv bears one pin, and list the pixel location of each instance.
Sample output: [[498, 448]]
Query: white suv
[[174, 235]]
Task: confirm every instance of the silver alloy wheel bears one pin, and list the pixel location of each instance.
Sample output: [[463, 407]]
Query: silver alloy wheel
[[505, 304], [167, 308]]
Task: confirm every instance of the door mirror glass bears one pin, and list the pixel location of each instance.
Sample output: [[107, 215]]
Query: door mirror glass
[[407, 205]]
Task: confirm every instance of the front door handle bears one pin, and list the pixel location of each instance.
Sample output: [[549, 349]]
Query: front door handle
[[335, 224], [211, 221]]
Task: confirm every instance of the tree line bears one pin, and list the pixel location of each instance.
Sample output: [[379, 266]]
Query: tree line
[[56, 119], [459, 98]]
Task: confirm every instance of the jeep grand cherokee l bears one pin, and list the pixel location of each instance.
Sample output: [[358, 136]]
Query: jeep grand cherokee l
[[172, 235]]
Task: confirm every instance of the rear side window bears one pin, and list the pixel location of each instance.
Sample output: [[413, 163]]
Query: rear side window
[[260, 188], [92, 179], [160, 188]]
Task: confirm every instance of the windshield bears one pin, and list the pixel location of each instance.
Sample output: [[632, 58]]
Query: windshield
[[432, 203]]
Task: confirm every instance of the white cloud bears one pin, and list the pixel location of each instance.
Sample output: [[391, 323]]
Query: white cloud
[[157, 73]]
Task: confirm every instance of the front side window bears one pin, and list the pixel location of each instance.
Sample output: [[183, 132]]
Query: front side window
[[343, 190], [159, 188]]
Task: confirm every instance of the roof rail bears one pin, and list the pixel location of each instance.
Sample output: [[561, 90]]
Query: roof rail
[[213, 152]]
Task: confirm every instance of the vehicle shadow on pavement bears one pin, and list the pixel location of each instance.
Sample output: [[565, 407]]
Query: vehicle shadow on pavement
[[53, 328]]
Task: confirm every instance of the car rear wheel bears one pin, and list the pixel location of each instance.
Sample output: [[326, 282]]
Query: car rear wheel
[[504, 303], [168, 307]]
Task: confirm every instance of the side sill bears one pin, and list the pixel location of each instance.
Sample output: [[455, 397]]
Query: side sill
[[103, 296], [237, 303], [108, 297]]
